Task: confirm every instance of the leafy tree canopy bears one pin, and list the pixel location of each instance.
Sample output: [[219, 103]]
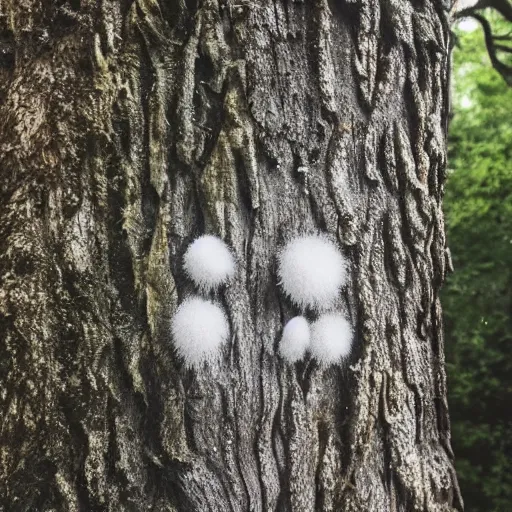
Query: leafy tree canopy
[[477, 297]]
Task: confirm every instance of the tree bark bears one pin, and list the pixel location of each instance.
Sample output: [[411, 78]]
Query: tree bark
[[128, 128]]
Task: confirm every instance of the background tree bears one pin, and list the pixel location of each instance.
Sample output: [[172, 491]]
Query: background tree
[[477, 298], [128, 128]]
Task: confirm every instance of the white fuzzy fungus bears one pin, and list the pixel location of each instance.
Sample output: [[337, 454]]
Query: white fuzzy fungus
[[295, 339], [331, 338], [209, 262], [312, 271], [199, 328]]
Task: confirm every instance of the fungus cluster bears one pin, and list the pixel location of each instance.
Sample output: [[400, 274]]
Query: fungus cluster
[[295, 339], [331, 338], [200, 326], [209, 263], [312, 271]]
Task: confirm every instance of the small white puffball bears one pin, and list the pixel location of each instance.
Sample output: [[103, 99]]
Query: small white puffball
[[209, 262], [331, 338], [199, 328], [295, 339], [312, 271]]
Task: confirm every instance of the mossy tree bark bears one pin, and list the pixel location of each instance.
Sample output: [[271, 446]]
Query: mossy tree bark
[[129, 127]]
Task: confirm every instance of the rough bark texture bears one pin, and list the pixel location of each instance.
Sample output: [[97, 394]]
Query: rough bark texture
[[130, 127]]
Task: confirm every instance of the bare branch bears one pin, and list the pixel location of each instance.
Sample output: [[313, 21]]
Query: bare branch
[[503, 48], [504, 7], [503, 69], [503, 37]]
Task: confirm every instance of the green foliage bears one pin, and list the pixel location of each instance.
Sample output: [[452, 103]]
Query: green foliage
[[478, 296]]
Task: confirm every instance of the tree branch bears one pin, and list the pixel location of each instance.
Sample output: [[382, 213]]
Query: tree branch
[[504, 70], [504, 7], [503, 48]]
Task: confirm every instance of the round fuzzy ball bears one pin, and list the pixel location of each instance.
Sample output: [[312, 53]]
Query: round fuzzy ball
[[295, 339], [331, 338], [199, 328], [209, 262], [312, 271]]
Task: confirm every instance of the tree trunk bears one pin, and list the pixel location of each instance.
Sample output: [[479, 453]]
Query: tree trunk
[[128, 128]]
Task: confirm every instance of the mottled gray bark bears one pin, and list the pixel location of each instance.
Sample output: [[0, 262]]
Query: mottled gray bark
[[130, 127]]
